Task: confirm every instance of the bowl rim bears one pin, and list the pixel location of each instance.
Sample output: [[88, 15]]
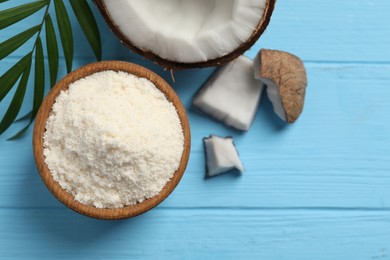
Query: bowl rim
[[40, 127]]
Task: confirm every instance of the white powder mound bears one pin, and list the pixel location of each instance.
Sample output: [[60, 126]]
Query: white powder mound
[[187, 30], [113, 139]]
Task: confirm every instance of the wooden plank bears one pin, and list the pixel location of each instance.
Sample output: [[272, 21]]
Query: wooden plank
[[336, 155], [316, 31], [316, 190], [197, 234]]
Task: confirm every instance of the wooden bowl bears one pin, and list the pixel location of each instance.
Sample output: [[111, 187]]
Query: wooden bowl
[[39, 130]]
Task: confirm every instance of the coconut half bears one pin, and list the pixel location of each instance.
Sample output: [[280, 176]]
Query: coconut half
[[285, 77], [188, 33]]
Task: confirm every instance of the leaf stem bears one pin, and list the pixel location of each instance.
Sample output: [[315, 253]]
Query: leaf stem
[[42, 23]]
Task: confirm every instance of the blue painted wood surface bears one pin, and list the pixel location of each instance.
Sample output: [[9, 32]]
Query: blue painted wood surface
[[319, 189]]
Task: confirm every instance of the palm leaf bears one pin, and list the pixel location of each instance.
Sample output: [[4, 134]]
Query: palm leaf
[[52, 49], [13, 15], [22, 118], [39, 84], [8, 79], [16, 103], [15, 42], [20, 133], [39, 87], [65, 32], [88, 25]]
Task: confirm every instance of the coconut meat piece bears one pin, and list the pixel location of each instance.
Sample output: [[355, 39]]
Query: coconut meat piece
[[187, 31], [232, 94], [284, 74], [221, 156]]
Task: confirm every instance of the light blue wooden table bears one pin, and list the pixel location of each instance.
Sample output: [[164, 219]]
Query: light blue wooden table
[[319, 189]]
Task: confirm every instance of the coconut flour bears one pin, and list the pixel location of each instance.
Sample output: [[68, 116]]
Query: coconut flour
[[113, 139]]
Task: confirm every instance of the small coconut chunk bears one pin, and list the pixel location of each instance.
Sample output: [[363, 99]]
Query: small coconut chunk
[[221, 155], [286, 80], [232, 94]]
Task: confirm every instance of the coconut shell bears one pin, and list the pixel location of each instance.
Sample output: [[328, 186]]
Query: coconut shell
[[288, 72], [169, 64]]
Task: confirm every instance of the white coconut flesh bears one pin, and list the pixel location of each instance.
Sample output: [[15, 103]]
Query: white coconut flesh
[[187, 31], [232, 94], [272, 91], [221, 156]]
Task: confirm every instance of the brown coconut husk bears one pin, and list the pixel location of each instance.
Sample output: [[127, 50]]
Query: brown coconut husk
[[288, 72]]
